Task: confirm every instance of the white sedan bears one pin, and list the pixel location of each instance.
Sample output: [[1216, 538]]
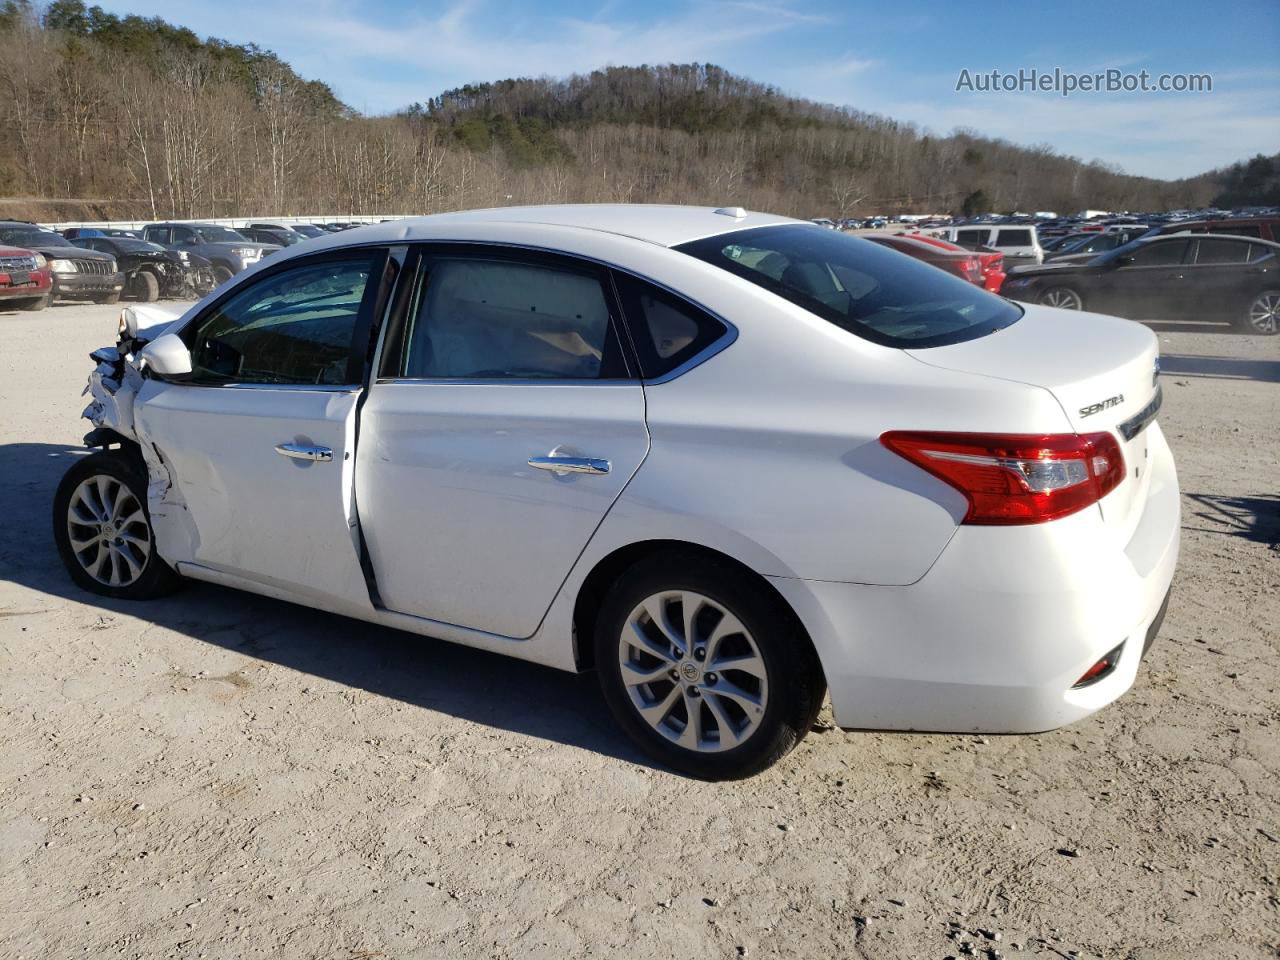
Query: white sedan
[[725, 459]]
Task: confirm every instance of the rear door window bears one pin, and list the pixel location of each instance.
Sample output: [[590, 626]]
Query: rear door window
[[972, 236], [482, 318], [1013, 238], [866, 289], [1221, 251]]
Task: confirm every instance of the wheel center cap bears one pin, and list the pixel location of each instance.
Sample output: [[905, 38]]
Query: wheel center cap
[[690, 671]]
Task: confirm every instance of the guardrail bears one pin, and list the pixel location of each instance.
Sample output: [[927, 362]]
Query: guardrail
[[232, 222]]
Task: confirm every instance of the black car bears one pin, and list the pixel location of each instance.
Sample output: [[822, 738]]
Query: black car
[[78, 273], [81, 233], [1083, 246], [280, 237], [152, 272], [1202, 277]]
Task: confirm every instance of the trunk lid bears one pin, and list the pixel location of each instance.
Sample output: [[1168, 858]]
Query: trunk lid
[[1102, 370]]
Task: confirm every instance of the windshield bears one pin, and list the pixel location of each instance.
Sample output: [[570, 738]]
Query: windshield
[[220, 235], [870, 291], [308, 230], [33, 237]]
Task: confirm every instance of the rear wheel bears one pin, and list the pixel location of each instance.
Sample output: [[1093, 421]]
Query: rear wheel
[[1262, 315], [146, 287], [1063, 298], [103, 531], [703, 670]]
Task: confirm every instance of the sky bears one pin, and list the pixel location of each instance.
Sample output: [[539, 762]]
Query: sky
[[898, 59]]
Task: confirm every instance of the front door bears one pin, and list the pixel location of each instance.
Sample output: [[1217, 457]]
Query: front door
[[1146, 285], [505, 425], [260, 441]]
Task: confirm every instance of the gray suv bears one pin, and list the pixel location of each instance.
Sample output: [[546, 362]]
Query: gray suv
[[227, 250]]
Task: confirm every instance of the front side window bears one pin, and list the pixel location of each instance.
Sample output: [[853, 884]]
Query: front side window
[[305, 325], [480, 318], [868, 290], [216, 234], [1162, 253]]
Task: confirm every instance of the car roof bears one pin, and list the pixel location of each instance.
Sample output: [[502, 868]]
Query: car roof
[[665, 225]]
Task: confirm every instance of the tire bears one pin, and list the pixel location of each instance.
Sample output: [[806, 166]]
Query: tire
[[1261, 317], [783, 693], [221, 274], [1064, 298], [36, 303], [131, 567], [108, 298], [146, 287]]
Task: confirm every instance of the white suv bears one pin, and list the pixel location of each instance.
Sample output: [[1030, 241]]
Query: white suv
[[727, 460], [1019, 242]]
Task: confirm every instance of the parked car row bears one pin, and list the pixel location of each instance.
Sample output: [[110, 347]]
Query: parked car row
[[174, 260]]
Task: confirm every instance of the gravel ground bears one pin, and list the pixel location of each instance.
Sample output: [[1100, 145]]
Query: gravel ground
[[219, 775]]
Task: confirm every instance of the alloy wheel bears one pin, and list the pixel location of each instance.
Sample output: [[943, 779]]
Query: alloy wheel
[[108, 531], [1264, 313], [693, 671], [1062, 298]]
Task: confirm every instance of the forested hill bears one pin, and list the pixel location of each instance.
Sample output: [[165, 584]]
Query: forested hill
[[126, 116]]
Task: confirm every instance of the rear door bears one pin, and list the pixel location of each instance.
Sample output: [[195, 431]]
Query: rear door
[[504, 424], [259, 442], [1217, 276]]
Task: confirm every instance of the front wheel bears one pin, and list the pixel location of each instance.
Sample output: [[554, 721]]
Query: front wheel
[[705, 672], [146, 287], [108, 298], [37, 303], [221, 275], [1064, 298], [1262, 315], [103, 531]]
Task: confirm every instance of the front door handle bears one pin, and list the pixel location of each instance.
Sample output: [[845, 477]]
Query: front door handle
[[301, 451], [588, 465]]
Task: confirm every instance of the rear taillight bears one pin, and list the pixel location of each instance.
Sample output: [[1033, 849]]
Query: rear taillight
[[972, 270], [1017, 478]]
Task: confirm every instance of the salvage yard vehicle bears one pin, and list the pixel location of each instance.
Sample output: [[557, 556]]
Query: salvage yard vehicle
[[957, 261], [25, 280], [152, 272], [1019, 242], [1183, 276], [227, 250], [78, 273], [725, 459]]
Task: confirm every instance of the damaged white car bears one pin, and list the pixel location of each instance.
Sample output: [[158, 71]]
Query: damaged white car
[[727, 460]]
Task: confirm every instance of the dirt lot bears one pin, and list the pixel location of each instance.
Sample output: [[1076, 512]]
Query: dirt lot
[[217, 775]]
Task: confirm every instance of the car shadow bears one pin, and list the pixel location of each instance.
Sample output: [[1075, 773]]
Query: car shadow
[[1254, 518], [1222, 368], [485, 688]]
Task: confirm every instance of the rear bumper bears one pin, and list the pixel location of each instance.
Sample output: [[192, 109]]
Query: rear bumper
[[993, 637]]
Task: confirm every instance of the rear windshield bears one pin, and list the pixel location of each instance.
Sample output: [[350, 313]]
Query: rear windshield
[[869, 290]]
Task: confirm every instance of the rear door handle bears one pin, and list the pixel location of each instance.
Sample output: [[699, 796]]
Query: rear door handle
[[588, 465], [301, 451]]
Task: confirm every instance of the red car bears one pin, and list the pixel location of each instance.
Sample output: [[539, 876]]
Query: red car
[[963, 263], [992, 260], [25, 279]]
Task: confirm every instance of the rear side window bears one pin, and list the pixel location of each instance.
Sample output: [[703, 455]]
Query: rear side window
[[868, 290], [1221, 251], [1013, 238], [157, 234], [972, 236], [666, 330], [485, 319]]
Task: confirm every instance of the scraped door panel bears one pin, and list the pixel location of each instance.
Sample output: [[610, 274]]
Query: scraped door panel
[[460, 527], [258, 513]]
